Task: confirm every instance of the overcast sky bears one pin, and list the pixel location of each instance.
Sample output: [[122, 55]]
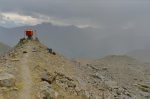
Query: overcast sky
[[123, 14]]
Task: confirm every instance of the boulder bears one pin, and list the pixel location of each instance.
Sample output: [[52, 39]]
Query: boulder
[[7, 80], [47, 92], [48, 77]]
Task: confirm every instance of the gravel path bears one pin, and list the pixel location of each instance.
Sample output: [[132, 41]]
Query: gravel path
[[26, 77]]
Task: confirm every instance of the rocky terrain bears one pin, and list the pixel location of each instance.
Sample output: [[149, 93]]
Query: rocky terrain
[[115, 77], [31, 70]]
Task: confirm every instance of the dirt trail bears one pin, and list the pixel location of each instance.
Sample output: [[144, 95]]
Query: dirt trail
[[26, 77]]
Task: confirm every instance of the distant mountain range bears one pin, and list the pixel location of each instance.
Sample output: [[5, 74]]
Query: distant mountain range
[[75, 42], [68, 40]]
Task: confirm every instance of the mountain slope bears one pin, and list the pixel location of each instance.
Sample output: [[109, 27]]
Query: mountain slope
[[38, 73], [34, 71], [131, 76]]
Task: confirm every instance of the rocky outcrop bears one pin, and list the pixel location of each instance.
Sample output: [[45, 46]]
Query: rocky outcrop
[[7, 80], [58, 83], [144, 90]]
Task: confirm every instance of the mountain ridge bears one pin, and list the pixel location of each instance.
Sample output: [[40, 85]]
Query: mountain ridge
[[39, 72]]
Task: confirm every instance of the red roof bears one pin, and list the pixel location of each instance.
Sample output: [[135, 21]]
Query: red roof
[[29, 32]]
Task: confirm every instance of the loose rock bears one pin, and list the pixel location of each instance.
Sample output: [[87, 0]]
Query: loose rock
[[7, 80]]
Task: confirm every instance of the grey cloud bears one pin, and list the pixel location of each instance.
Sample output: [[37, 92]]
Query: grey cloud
[[98, 12]]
